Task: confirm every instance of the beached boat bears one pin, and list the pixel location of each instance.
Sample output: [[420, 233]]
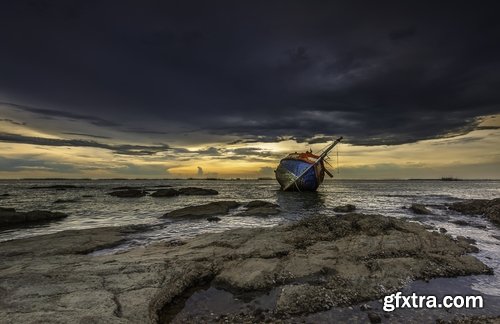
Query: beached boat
[[303, 171]]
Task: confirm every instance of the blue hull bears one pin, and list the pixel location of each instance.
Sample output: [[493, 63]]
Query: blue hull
[[310, 181]]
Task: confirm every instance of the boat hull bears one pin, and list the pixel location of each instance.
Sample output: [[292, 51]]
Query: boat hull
[[289, 169]]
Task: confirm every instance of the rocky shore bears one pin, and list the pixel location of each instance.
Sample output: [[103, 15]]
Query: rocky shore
[[10, 217], [479, 207], [313, 265]]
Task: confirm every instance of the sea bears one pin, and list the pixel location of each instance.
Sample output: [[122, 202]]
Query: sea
[[89, 206]]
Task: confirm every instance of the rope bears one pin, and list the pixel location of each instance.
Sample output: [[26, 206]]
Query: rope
[[338, 169]]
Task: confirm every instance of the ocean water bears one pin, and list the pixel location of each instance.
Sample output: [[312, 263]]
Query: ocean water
[[91, 207]]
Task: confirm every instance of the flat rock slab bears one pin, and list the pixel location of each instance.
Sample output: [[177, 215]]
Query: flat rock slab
[[260, 208], [345, 208], [129, 193], [169, 192], [420, 209], [254, 208], [315, 264], [206, 210], [10, 217], [488, 208], [193, 191], [57, 187]]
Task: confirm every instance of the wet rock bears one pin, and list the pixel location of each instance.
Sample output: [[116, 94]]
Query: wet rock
[[57, 187], [10, 217], [461, 222], [126, 188], [420, 209], [365, 307], [169, 192], [87, 196], [345, 208], [442, 230], [463, 319], [374, 318], [314, 264], [467, 239], [496, 237], [260, 208], [4, 195], [488, 208], [213, 219], [130, 193], [260, 211], [210, 209], [193, 191], [303, 298], [63, 201]]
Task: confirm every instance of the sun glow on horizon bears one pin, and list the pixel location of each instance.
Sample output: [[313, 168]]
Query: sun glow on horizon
[[471, 155]]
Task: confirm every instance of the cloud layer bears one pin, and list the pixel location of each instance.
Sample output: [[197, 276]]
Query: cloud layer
[[377, 73]]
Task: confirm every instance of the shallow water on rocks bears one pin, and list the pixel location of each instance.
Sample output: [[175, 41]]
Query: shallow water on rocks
[[90, 206], [209, 303]]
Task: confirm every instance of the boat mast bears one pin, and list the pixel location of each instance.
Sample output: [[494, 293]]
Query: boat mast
[[321, 157], [329, 148]]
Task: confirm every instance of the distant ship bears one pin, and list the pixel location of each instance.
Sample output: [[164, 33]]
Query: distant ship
[[303, 171]]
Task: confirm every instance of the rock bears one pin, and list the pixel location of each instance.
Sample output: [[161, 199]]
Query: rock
[[461, 222], [365, 307], [260, 208], [345, 209], [63, 201], [496, 237], [87, 196], [488, 208], [464, 319], [466, 239], [165, 193], [419, 209], [56, 187], [193, 191], [9, 216], [315, 264], [130, 193], [4, 195], [260, 203], [442, 230], [213, 219], [374, 317], [126, 188], [260, 211], [210, 209], [303, 298]]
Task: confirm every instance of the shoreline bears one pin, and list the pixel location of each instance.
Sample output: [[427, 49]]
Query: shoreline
[[53, 277]]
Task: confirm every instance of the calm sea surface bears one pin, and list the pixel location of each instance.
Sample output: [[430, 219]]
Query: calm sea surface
[[92, 207]]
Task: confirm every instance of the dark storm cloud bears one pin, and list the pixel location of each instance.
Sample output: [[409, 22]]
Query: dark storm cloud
[[34, 163], [13, 122], [401, 34], [86, 135], [124, 149], [375, 72], [49, 113]]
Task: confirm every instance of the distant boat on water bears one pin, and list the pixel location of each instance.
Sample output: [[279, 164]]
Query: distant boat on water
[[303, 171]]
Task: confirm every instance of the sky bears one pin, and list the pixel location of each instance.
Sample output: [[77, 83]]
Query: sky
[[176, 89]]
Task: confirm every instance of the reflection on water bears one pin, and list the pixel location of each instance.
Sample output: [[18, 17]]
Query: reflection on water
[[297, 205]]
